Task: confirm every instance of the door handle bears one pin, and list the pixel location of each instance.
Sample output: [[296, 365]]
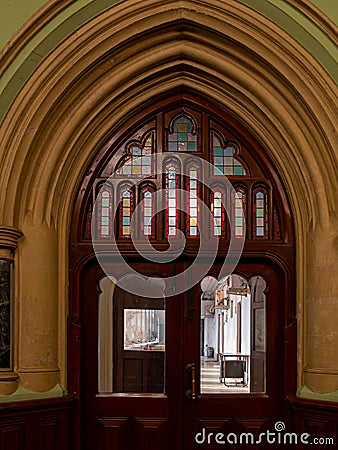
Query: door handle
[[191, 393]]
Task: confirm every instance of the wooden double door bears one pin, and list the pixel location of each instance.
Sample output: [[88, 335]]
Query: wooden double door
[[146, 380]]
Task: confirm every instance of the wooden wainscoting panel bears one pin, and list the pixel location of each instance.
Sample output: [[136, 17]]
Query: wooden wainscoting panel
[[151, 434], [113, 433], [12, 436], [317, 418], [214, 426], [36, 425], [52, 432]]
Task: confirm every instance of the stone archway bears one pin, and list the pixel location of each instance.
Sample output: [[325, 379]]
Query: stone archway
[[102, 74]]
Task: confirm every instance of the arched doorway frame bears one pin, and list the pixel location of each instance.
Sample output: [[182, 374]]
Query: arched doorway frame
[[43, 197]]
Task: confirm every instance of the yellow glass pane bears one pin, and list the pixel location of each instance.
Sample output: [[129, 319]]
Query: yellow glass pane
[[125, 230], [193, 222], [136, 170]]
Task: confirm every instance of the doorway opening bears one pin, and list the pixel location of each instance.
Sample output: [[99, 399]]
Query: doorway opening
[[158, 368], [233, 335]]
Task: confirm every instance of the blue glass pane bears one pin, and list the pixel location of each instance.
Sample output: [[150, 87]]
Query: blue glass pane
[[173, 146], [228, 151]]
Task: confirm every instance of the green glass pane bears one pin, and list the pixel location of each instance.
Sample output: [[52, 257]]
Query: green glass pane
[[217, 231], [218, 170], [238, 170], [218, 151], [182, 137], [260, 213], [192, 146], [105, 202], [238, 221]]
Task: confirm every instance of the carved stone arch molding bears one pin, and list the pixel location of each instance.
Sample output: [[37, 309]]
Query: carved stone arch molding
[[108, 70]]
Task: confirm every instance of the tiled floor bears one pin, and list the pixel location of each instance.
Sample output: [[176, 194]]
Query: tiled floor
[[210, 383]]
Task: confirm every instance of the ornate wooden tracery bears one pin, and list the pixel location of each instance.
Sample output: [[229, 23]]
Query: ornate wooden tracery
[[190, 130]]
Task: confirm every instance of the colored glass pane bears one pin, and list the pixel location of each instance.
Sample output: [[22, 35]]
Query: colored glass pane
[[224, 160], [260, 214], [104, 211], [138, 161], [126, 212], [217, 210], [183, 137], [239, 213], [193, 189], [171, 196], [148, 220]]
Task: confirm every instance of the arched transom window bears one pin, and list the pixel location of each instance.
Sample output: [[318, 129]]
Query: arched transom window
[[249, 211]]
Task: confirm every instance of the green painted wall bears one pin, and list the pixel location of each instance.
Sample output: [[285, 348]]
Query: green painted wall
[[13, 13], [329, 7]]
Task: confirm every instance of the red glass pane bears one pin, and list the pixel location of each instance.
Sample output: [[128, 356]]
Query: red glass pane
[[148, 221], [239, 213], [171, 201], [126, 208], [193, 189]]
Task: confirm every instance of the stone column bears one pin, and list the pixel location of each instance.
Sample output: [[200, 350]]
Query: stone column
[[8, 243], [321, 371], [38, 308]]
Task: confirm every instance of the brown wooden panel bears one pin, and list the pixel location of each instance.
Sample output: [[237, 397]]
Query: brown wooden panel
[[151, 434], [36, 425], [48, 434], [318, 419], [112, 434], [208, 430], [12, 437]]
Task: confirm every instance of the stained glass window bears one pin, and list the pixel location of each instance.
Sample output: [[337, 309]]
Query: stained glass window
[[239, 213], [172, 207], [260, 214], [105, 213], [183, 137], [218, 213], [224, 159], [148, 212], [193, 207], [139, 160], [126, 206]]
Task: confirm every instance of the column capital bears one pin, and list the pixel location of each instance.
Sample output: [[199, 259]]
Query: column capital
[[9, 237]]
